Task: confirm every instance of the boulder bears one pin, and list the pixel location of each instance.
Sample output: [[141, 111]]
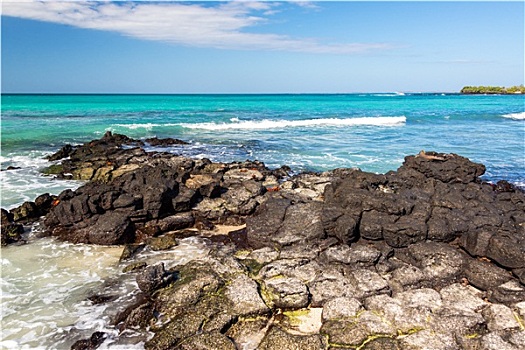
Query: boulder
[[447, 168], [438, 261], [64, 152], [10, 232], [154, 277], [244, 296], [28, 211], [266, 222], [92, 343], [485, 275], [285, 293]]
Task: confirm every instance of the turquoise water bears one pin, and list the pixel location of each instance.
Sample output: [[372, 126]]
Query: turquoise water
[[307, 132]]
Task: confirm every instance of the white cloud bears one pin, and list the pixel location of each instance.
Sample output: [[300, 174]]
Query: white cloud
[[215, 25], [307, 4]]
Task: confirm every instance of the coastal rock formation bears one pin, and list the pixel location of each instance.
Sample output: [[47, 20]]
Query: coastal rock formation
[[425, 257], [134, 195], [11, 232]]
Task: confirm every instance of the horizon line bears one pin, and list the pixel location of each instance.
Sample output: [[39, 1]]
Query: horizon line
[[230, 93]]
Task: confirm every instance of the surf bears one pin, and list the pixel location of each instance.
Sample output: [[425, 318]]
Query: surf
[[515, 116], [306, 123]]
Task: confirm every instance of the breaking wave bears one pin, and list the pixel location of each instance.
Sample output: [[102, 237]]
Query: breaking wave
[[515, 116], [147, 126], [279, 124]]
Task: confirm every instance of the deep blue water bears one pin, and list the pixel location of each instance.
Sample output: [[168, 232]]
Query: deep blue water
[[305, 131]]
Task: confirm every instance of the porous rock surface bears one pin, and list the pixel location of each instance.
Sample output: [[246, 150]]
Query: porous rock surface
[[426, 257]]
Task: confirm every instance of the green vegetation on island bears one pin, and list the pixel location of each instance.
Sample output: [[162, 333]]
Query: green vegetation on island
[[495, 90]]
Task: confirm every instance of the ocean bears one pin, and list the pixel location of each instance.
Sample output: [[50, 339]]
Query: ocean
[[308, 132]]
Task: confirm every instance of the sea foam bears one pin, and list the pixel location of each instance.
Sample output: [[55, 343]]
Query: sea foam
[[27, 183], [307, 123], [515, 116]]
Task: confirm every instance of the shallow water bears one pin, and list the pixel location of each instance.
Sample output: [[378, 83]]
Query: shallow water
[[46, 284]]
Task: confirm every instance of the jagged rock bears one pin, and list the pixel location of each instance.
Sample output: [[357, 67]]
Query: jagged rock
[[153, 278], [196, 304], [302, 223], [463, 298], [28, 211], [10, 167], [520, 273], [484, 275], [407, 276], [448, 168], [380, 253], [508, 249], [163, 242], [357, 332], [247, 333], [280, 224], [194, 282], [64, 152], [500, 318], [285, 293], [207, 341], [438, 261], [426, 339], [341, 308], [476, 243], [330, 285], [266, 222], [139, 317], [139, 265], [111, 228], [355, 255], [153, 141], [370, 283], [243, 174], [92, 343], [207, 185], [421, 298], [509, 292], [404, 318], [244, 295], [492, 341], [10, 231], [276, 339], [264, 255]]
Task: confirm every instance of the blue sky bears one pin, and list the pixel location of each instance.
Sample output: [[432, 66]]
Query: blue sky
[[253, 47]]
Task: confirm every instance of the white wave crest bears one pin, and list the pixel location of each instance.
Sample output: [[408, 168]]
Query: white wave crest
[[147, 126], [515, 116], [279, 124]]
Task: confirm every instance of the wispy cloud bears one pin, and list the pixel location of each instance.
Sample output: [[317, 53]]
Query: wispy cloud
[[214, 25], [460, 61]]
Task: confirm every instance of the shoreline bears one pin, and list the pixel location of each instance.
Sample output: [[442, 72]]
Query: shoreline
[[425, 256]]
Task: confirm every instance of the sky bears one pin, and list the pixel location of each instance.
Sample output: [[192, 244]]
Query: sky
[[259, 47]]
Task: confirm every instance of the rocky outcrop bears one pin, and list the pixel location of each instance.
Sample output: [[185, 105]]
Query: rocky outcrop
[[425, 257], [96, 159], [315, 297], [440, 200], [134, 195], [376, 262], [11, 232]]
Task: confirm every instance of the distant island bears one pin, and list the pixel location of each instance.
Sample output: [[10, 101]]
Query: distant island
[[493, 90]]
